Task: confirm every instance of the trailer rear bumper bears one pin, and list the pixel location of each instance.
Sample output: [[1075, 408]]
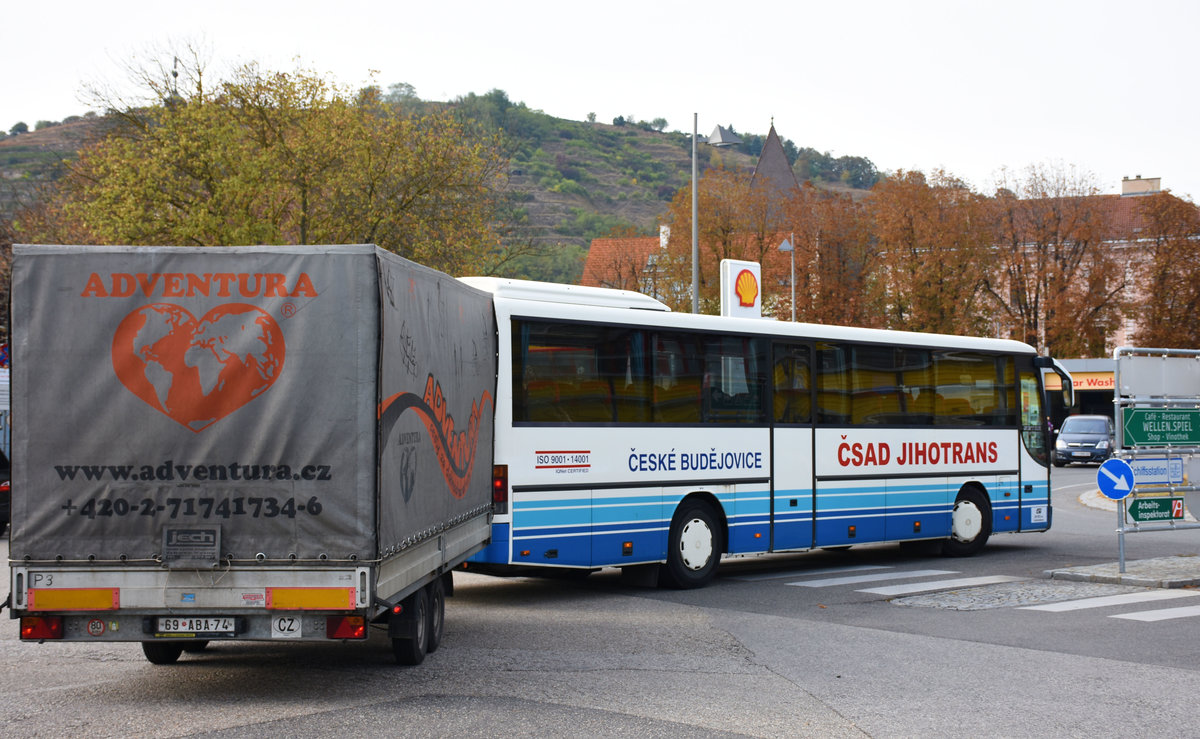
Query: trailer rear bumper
[[139, 604]]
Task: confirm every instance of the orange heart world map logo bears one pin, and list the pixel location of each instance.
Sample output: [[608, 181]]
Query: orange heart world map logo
[[197, 371]]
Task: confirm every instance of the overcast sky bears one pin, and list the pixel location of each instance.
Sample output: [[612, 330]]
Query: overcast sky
[[970, 87]]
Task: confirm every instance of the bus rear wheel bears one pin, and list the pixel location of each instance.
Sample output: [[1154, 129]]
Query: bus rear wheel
[[693, 547], [970, 523]]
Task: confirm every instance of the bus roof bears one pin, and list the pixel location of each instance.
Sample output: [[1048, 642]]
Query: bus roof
[[550, 300], [552, 292]]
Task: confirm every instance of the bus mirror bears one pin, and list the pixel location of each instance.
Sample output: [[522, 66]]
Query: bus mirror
[[1068, 383]]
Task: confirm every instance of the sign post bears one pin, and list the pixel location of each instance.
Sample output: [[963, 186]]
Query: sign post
[[1115, 479], [1156, 399]]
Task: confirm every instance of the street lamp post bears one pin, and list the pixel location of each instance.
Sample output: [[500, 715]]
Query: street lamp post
[[720, 137], [790, 248], [695, 232]]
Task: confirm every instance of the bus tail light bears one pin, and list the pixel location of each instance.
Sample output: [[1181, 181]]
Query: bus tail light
[[346, 627], [41, 627], [500, 488]]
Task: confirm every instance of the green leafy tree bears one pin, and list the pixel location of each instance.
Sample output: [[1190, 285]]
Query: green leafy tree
[[285, 158]]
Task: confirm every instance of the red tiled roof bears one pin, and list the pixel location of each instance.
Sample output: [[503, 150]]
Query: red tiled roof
[[613, 262]]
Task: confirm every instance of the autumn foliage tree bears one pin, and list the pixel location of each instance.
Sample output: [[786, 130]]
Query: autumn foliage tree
[[730, 214], [282, 158], [837, 260], [934, 242], [836, 263], [1056, 283], [1169, 300]]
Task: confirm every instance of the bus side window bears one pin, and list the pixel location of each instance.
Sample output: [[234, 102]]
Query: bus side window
[[833, 384], [917, 393], [677, 379], [623, 366], [875, 394], [792, 385], [734, 379]]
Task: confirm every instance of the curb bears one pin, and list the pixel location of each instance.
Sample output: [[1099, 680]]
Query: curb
[[1162, 572]]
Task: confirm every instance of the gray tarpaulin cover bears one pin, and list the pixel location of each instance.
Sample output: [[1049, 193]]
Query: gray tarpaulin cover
[[242, 388]]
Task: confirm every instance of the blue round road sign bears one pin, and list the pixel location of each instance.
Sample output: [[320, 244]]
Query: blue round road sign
[[1115, 478]]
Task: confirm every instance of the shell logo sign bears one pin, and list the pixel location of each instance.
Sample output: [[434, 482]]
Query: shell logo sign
[[740, 293], [746, 288]]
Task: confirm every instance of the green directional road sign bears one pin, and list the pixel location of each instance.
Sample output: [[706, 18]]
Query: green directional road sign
[[1145, 510], [1161, 426]]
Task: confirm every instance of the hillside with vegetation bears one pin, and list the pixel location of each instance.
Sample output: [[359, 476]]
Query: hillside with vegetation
[[484, 185], [568, 182]]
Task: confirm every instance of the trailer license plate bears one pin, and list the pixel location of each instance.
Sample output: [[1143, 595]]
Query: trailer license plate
[[221, 625]]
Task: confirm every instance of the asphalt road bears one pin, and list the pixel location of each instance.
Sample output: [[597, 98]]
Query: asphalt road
[[782, 645]]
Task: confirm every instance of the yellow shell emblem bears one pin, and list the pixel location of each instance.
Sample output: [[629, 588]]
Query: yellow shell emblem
[[746, 288]]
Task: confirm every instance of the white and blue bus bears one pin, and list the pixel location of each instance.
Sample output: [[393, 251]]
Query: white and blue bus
[[631, 436]]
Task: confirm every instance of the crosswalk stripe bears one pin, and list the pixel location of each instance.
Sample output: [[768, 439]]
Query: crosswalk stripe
[[804, 573], [1111, 600], [961, 582], [854, 579], [1161, 614]]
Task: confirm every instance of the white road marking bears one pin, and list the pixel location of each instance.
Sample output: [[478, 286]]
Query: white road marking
[[961, 582], [1111, 600], [1162, 614], [830, 581], [803, 573]]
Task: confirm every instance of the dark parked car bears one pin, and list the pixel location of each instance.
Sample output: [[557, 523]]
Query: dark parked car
[[1084, 439]]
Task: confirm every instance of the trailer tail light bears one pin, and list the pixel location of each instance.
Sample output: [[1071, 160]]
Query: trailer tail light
[[500, 488], [346, 627], [41, 627]]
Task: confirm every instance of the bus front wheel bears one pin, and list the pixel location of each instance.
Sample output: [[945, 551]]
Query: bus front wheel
[[693, 547], [970, 523]]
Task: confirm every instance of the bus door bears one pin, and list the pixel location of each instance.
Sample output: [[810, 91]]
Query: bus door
[[1035, 457], [792, 447]]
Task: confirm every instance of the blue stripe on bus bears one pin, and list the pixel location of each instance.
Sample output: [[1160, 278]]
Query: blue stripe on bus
[[606, 530], [497, 550]]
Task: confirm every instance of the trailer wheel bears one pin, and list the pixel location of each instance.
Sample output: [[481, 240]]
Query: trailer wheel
[[411, 650], [162, 653], [437, 615]]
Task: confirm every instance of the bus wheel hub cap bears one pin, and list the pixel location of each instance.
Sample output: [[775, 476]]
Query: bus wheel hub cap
[[967, 521], [695, 544]]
